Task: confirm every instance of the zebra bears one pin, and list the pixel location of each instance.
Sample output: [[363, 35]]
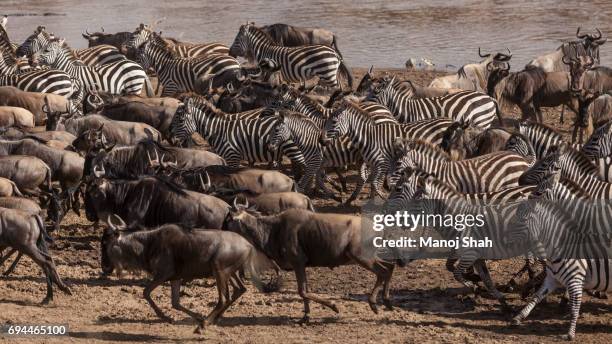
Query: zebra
[[319, 113], [599, 149], [466, 107], [234, 140], [486, 173], [574, 260], [542, 137], [296, 64], [178, 75], [42, 81], [180, 49], [572, 165], [376, 141], [95, 56], [122, 77]]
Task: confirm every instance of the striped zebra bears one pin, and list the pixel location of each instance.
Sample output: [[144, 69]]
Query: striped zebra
[[234, 140], [42, 81], [178, 75], [577, 258], [486, 173], [599, 149], [572, 165], [376, 142], [122, 77], [181, 49], [94, 56], [466, 107], [542, 137], [296, 64], [319, 114]]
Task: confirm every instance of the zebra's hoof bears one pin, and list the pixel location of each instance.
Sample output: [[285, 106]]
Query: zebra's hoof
[[567, 337], [515, 321]]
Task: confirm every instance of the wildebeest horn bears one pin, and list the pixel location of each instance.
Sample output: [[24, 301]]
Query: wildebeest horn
[[593, 37], [370, 70], [241, 205], [98, 172], [481, 55], [578, 35], [119, 224], [45, 107], [102, 27]]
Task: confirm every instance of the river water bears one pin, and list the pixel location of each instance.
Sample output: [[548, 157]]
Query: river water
[[382, 33]]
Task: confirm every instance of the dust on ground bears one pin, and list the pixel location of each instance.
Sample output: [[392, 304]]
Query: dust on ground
[[429, 305]]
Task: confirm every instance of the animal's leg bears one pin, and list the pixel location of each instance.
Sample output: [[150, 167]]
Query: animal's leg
[[39, 258], [239, 289], [512, 282], [575, 298], [549, 285], [483, 271], [341, 178], [320, 185], [176, 301], [462, 266], [382, 275], [300, 275], [387, 286], [7, 256], [15, 262], [156, 282], [222, 278]]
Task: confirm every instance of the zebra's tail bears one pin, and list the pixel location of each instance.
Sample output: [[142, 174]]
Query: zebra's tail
[[347, 72], [149, 87], [335, 46]]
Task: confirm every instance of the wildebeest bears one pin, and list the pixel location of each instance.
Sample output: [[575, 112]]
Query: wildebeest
[[30, 174], [465, 141], [151, 201], [176, 254], [34, 102], [27, 234], [8, 188], [293, 36], [252, 180], [595, 109], [15, 116], [17, 133], [531, 89], [271, 203], [473, 76], [117, 40], [250, 95], [119, 132], [586, 45], [159, 117], [296, 239], [66, 166], [145, 157]]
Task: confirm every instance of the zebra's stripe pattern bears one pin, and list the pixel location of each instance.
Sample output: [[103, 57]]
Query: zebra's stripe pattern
[[486, 173], [180, 49], [234, 140], [122, 77], [469, 107], [42, 81], [178, 74], [377, 142], [295, 63]]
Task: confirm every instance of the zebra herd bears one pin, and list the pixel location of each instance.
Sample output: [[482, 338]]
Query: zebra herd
[[252, 103]]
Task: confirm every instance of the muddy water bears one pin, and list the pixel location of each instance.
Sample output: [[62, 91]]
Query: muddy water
[[383, 33]]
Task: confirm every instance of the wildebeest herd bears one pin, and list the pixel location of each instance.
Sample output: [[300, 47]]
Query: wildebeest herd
[[167, 175]]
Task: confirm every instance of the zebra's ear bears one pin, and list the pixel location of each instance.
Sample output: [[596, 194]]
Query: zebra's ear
[[61, 41]]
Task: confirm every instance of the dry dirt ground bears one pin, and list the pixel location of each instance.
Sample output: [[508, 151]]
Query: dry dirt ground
[[429, 306]]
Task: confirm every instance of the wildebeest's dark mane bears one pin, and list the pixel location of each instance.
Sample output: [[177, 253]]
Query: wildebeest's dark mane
[[223, 169], [124, 186], [150, 143]]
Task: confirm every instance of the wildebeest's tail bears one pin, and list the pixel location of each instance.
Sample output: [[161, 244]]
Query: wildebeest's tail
[[256, 264], [43, 232], [48, 180], [347, 72], [15, 189], [335, 46]]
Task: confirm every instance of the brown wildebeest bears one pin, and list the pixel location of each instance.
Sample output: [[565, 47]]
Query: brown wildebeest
[[8, 188], [23, 204], [531, 89], [272, 203], [117, 40], [226, 179], [66, 166], [27, 234], [175, 254], [34, 102], [29, 173], [296, 239], [139, 202], [17, 133], [15, 116], [465, 141]]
